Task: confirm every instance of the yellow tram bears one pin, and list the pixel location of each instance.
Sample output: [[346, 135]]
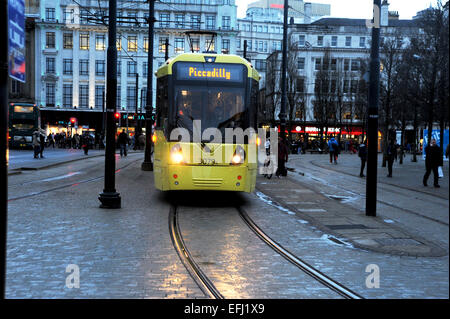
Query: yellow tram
[[205, 136]]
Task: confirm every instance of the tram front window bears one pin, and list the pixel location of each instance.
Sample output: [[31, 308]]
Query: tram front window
[[216, 108]]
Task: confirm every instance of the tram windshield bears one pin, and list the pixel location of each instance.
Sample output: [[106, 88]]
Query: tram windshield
[[215, 107]]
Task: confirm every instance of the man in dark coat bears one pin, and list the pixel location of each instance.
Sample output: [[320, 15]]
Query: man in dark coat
[[122, 140], [362, 153], [282, 158], [433, 159], [391, 156]]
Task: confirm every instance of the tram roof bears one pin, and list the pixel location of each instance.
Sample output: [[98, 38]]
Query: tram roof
[[166, 68]]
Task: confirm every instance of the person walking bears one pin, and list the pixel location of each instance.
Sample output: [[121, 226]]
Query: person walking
[[391, 156], [41, 142], [36, 143], [51, 141], [282, 158], [362, 153], [122, 140], [333, 148], [85, 142], [433, 159]]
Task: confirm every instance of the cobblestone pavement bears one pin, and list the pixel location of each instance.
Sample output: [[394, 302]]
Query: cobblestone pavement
[[128, 253]]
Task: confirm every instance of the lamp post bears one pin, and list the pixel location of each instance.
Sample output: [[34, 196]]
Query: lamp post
[[109, 198], [282, 114], [147, 165], [372, 121]]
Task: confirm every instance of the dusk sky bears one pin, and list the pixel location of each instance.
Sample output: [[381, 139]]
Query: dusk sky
[[359, 9]]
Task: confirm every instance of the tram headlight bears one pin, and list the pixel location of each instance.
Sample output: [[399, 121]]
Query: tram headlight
[[238, 156], [176, 154]]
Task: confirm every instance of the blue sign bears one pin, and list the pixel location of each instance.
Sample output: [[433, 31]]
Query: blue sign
[[436, 134], [16, 28]]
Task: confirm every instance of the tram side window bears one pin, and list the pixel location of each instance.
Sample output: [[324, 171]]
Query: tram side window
[[162, 103]]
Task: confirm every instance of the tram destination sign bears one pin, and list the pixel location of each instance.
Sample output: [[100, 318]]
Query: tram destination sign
[[197, 71]]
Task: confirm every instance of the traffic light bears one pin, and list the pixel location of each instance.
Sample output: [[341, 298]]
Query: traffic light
[[117, 115], [73, 120]]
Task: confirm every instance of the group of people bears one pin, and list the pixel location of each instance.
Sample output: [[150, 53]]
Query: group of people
[[433, 159], [40, 141]]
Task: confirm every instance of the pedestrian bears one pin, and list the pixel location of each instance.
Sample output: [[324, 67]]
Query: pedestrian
[[362, 153], [333, 148], [123, 140], [447, 151], [51, 141], [36, 143], [41, 142], [282, 158], [433, 159], [85, 142], [77, 141], [267, 146], [141, 140], [391, 156]]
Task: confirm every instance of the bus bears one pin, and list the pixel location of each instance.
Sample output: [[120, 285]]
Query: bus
[[219, 93], [24, 119]]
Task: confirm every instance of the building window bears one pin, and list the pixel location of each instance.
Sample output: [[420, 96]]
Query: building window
[[210, 22], [320, 40], [162, 44], [50, 94], [318, 64], [179, 21], [119, 43], [226, 22], [100, 42], [84, 96], [209, 45], [99, 90], [146, 44], [355, 65], [195, 22], [84, 41], [132, 43], [348, 41], [67, 95], [84, 14], [260, 65], [50, 40], [301, 40], [300, 85], [145, 69], [164, 20], [143, 97], [225, 46], [301, 63], [333, 64], [50, 15], [346, 64], [195, 43], [334, 40], [179, 45], [119, 96], [68, 16], [100, 67], [68, 41], [131, 68], [84, 67], [119, 68], [50, 65], [67, 67], [362, 42], [277, 45], [131, 97], [238, 43]]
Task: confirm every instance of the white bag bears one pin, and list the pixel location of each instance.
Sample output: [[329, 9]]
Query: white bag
[[440, 172]]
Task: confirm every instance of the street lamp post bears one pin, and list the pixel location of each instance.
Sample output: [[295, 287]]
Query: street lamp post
[[372, 121], [282, 114], [109, 198], [147, 165]]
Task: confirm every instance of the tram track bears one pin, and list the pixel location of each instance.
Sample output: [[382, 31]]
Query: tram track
[[207, 286], [67, 185], [379, 200]]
